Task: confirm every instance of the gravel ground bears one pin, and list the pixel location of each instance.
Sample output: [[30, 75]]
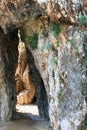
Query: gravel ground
[[26, 118], [24, 124]]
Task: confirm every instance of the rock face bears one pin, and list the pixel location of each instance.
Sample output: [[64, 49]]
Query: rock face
[[29, 83], [60, 57], [41, 94], [62, 73], [24, 87], [8, 64], [61, 68], [15, 13], [25, 96]]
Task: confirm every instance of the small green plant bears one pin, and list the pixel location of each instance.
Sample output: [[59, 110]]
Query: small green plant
[[57, 43], [57, 28], [32, 40], [84, 126], [59, 94], [54, 61], [82, 20]]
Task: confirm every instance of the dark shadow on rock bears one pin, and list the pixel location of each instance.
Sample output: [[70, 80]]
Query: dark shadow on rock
[[41, 95]]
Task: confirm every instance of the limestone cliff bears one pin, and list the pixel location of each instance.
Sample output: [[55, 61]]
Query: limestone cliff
[[57, 43], [59, 60], [13, 13]]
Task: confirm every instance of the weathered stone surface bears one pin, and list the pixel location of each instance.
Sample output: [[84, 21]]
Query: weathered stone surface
[[24, 87], [15, 13], [63, 79], [61, 67], [41, 93], [25, 96], [8, 62]]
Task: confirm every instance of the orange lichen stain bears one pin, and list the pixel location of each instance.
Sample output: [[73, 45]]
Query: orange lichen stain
[[44, 65], [58, 15], [62, 38], [54, 41], [55, 123], [54, 17]]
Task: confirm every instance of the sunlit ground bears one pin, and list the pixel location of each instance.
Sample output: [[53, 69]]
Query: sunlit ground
[[31, 108], [23, 124]]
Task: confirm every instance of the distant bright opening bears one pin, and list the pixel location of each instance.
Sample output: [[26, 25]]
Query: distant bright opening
[[25, 88]]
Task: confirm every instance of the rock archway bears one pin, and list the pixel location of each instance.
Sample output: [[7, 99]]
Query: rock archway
[[29, 84], [61, 58], [8, 63]]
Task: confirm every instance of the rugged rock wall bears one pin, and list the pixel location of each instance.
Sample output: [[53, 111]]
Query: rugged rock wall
[[62, 74], [8, 63], [41, 94], [60, 59], [61, 63], [15, 13], [24, 87], [29, 83]]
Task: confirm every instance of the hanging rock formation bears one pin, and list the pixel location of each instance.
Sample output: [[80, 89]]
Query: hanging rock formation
[[24, 87]]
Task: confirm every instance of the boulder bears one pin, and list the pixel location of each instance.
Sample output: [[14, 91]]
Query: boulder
[[25, 96]]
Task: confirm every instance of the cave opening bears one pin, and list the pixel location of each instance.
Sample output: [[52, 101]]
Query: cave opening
[[31, 96], [9, 45]]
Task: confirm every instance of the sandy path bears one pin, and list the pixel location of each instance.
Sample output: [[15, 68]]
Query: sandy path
[[23, 124], [31, 120]]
